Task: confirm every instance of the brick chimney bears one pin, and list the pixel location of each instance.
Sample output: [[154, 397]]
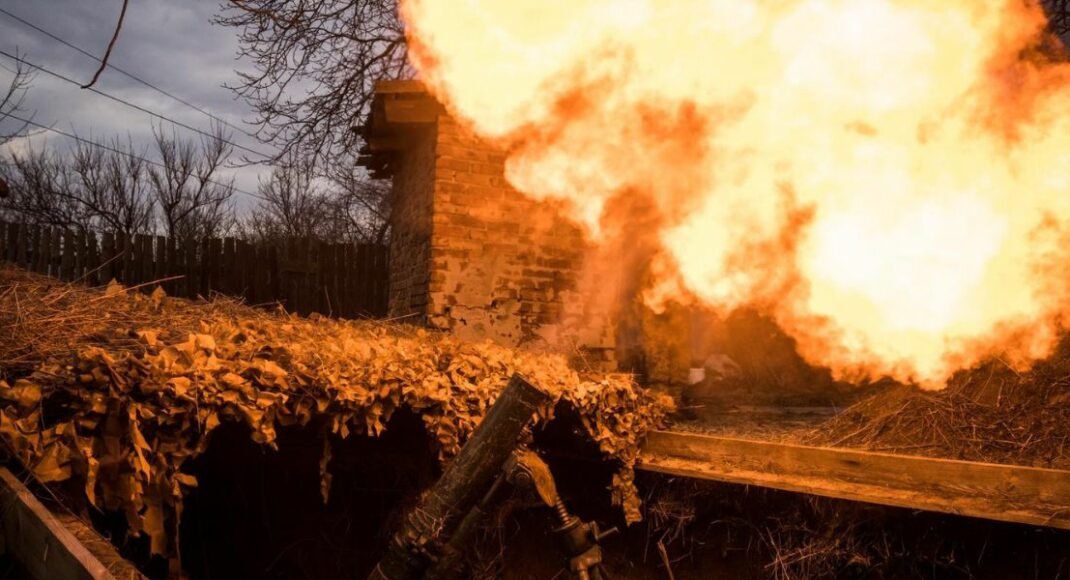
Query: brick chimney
[[469, 254]]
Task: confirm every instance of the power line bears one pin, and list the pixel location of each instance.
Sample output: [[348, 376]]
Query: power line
[[124, 73], [126, 153], [129, 104]]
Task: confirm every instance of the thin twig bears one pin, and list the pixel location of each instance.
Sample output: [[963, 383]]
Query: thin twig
[[111, 45]]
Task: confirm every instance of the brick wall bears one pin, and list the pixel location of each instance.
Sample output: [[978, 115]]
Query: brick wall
[[410, 223], [473, 256]]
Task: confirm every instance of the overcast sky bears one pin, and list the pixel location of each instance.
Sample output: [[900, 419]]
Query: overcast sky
[[169, 43]]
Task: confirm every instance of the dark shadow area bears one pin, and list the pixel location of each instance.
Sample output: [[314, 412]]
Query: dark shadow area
[[258, 513]]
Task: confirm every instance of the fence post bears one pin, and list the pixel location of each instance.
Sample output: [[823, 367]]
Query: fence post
[[92, 260], [108, 258], [159, 264], [67, 255], [55, 258], [145, 258], [12, 246], [42, 246], [79, 254]]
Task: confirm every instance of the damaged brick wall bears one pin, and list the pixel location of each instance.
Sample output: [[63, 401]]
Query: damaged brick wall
[[500, 261], [473, 256]]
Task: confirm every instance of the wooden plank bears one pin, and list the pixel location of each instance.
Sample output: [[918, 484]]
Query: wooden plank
[[311, 279], [11, 246], [174, 266], [145, 257], [273, 290], [367, 284], [1009, 493], [54, 253], [328, 275], [231, 278], [92, 260], [341, 290], [79, 254], [38, 541], [43, 247], [160, 268], [246, 264], [125, 245], [67, 256], [21, 243], [111, 266], [193, 268]]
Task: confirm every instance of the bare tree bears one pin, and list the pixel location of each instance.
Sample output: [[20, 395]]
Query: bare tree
[[39, 183], [110, 183], [90, 188], [1058, 16], [315, 64], [193, 202], [359, 206], [292, 207], [12, 100]]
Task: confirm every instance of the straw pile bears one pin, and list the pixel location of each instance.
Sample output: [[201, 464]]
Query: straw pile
[[116, 389], [990, 413]]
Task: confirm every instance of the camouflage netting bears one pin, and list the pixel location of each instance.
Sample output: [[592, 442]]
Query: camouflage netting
[[119, 389]]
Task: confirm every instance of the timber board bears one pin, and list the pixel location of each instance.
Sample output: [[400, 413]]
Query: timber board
[[1011, 493]]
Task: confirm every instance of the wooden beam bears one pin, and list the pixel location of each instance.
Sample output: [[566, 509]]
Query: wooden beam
[[38, 541], [1011, 493]]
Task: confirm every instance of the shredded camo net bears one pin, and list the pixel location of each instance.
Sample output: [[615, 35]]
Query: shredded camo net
[[117, 389]]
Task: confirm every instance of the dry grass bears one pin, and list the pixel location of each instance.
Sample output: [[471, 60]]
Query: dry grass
[[990, 414]]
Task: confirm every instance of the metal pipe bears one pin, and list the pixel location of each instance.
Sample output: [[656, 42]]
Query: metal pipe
[[465, 481]]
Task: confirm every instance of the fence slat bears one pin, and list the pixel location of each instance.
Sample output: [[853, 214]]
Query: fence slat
[[174, 267], [67, 255], [92, 260], [304, 275], [21, 239], [145, 258], [54, 249], [159, 264], [42, 247], [108, 260], [79, 255]]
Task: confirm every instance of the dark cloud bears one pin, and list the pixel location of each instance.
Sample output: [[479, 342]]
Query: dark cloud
[[171, 44]]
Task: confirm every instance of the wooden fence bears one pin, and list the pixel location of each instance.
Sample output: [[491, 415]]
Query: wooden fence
[[346, 280]]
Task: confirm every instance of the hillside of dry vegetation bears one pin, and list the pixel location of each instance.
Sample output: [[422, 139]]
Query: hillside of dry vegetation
[[116, 390]]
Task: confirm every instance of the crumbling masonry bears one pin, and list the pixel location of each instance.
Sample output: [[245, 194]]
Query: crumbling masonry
[[470, 254]]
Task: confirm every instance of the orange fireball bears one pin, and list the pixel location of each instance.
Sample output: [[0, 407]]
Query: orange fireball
[[887, 178]]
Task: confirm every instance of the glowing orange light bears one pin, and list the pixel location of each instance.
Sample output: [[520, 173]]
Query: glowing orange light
[[885, 177]]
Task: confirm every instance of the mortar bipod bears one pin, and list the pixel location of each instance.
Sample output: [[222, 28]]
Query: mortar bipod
[[524, 469], [578, 539]]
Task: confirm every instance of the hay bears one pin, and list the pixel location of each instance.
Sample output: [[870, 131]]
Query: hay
[[990, 413], [117, 390]]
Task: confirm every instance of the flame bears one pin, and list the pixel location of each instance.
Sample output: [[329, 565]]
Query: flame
[[887, 178]]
